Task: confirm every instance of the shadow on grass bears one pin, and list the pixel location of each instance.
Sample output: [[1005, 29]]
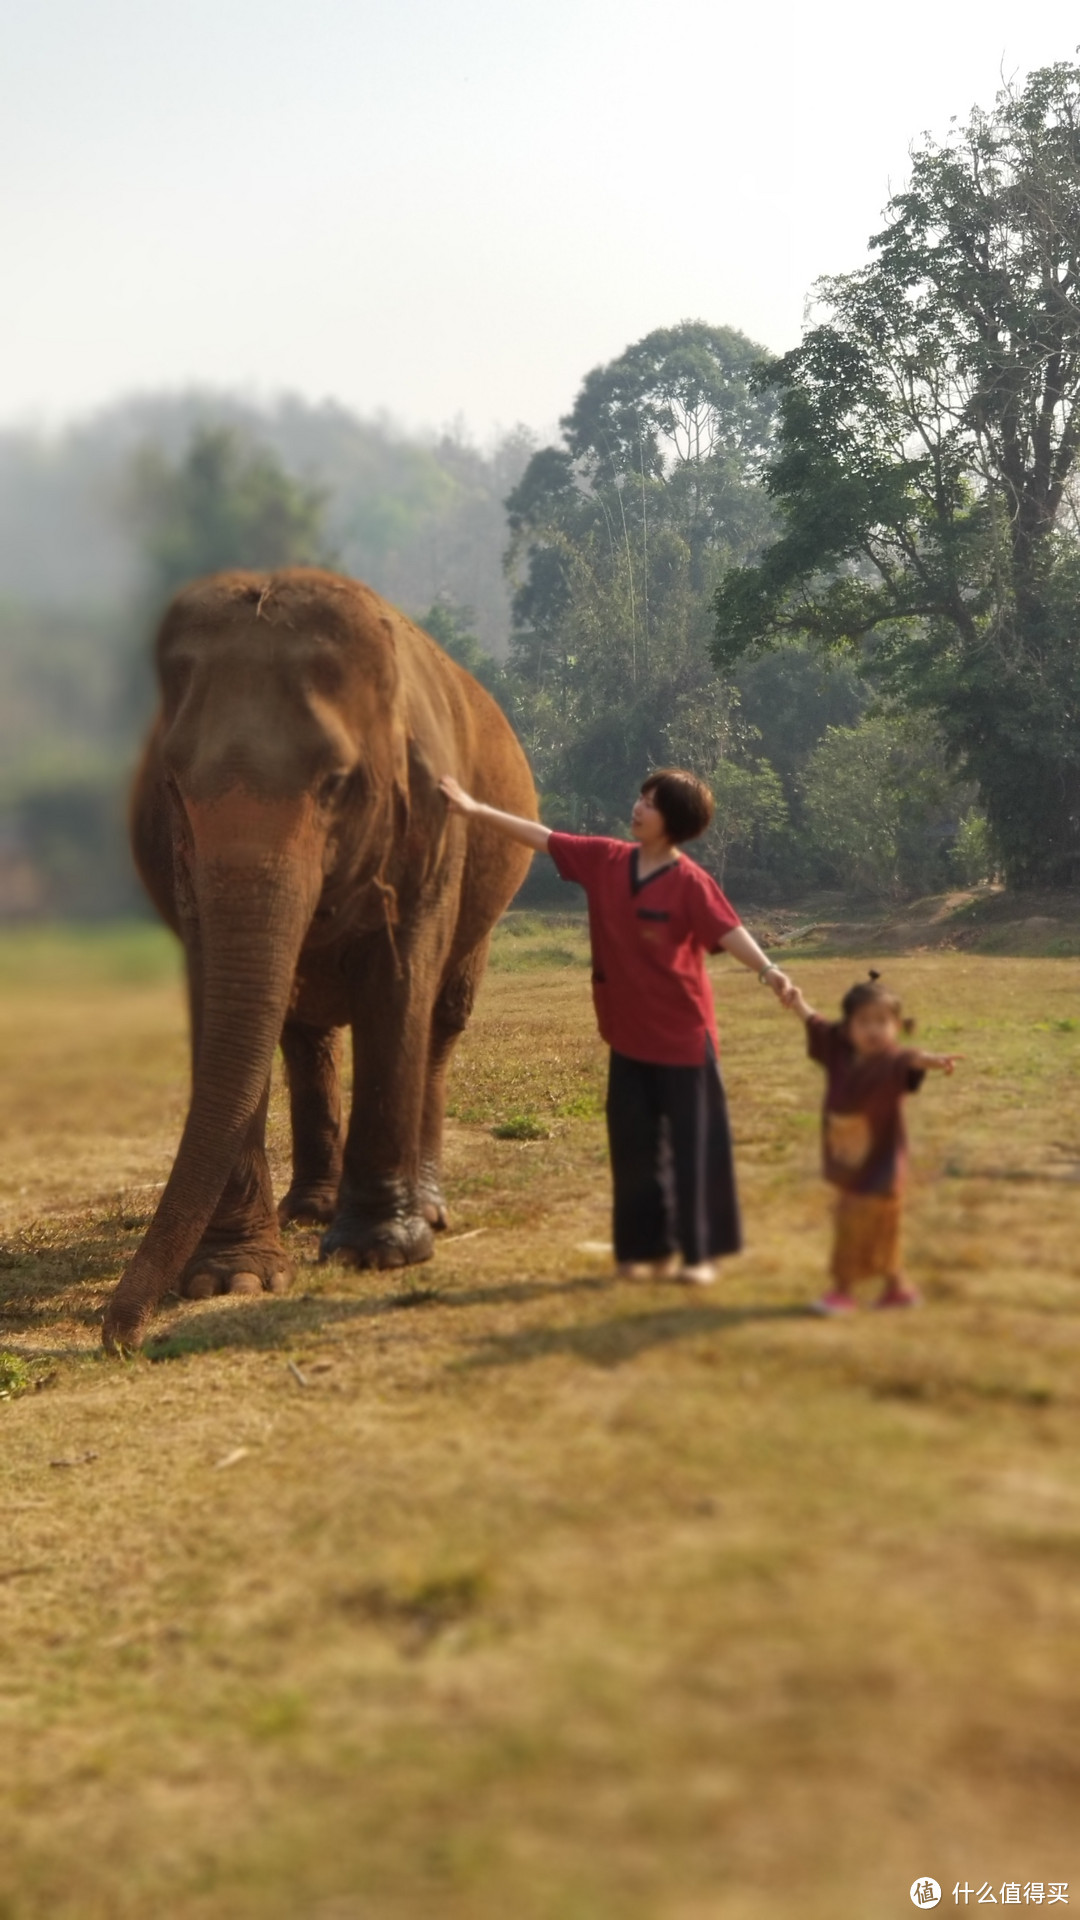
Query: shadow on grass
[[269, 1325], [611, 1343], [43, 1274], [1058, 1174]]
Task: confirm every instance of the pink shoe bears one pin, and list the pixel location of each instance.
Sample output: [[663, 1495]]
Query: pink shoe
[[899, 1297], [831, 1303]]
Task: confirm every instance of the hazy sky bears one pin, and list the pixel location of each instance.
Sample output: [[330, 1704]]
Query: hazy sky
[[444, 207]]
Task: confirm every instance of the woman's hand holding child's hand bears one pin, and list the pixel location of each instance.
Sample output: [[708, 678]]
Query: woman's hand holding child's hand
[[939, 1062]]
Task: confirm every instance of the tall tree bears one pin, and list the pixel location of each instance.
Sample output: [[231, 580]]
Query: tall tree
[[618, 537], [226, 503], [929, 431]]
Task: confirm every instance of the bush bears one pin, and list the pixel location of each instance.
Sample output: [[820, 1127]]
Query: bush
[[14, 1376], [973, 856], [882, 807], [751, 817]]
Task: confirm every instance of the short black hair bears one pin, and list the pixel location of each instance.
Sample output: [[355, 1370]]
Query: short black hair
[[872, 992], [683, 801]]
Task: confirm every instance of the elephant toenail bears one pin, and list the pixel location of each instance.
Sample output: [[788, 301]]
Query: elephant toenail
[[279, 1282], [245, 1283], [201, 1286]]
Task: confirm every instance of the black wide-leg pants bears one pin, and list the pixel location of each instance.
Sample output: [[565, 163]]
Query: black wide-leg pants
[[671, 1161]]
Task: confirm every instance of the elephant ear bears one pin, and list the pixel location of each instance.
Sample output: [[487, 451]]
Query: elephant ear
[[392, 759], [427, 813], [400, 776]]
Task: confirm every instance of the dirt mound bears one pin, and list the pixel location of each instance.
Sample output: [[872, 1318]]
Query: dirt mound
[[983, 920]]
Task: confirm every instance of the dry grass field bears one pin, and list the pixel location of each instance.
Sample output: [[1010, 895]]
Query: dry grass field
[[499, 1590]]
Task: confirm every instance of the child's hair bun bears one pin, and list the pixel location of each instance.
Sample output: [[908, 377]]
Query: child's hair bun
[[869, 992]]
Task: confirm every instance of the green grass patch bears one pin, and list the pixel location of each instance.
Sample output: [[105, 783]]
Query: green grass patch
[[524, 942], [521, 1126], [125, 953], [15, 1376]]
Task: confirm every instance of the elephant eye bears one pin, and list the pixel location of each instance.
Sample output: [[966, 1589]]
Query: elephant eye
[[332, 787]]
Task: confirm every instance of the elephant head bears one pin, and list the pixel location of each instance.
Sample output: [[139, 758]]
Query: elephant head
[[278, 767]]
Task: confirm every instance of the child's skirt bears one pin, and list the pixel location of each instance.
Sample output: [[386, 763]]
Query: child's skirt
[[866, 1241]]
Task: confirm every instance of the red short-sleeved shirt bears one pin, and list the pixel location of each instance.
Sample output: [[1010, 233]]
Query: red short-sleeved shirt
[[649, 940], [864, 1139]]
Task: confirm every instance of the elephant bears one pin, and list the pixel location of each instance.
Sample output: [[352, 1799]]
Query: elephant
[[287, 825]]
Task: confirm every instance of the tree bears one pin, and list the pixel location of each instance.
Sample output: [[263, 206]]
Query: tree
[[883, 811], [618, 537], [751, 813], [677, 409], [452, 626], [789, 696], [929, 429], [225, 504]]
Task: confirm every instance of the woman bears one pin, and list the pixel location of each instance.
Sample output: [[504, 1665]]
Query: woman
[[653, 916]]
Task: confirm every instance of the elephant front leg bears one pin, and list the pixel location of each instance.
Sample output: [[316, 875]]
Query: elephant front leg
[[449, 1020], [313, 1064], [241, 1250], [380, 1220]]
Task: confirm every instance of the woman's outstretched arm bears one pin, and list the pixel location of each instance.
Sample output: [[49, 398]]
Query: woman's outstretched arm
[[529, 832]]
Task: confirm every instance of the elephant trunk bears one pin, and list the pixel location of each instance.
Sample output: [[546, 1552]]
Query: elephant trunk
[[255, 890]]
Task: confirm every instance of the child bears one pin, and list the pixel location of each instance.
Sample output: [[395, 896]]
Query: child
[[863, 1135], [653, 916]]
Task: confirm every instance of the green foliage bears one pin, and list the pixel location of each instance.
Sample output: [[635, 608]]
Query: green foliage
[[60, 681], [15, 1376], [881, 806], [521, 1126], [225, 504], [972, 852], [72, 832], [929, 426], [617, 539], [751, 815], [452, 626], [787, 698]]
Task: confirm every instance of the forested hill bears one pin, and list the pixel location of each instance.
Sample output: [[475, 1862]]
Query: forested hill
[[420, 519], [417, 517]]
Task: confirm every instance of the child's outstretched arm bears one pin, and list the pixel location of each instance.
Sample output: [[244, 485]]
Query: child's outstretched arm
[[934, 1062], [529, 832]]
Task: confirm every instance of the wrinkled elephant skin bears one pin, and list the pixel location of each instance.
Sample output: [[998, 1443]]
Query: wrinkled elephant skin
[[288, 826]]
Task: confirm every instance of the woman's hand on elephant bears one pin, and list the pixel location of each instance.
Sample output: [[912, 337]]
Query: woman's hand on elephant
[[529, 832], [456, 797]]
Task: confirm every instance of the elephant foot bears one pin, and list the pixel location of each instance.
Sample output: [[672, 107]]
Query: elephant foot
[[252, 1269], [433, 1208], [432, 1200], [398, 1242], [308, 1205]]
